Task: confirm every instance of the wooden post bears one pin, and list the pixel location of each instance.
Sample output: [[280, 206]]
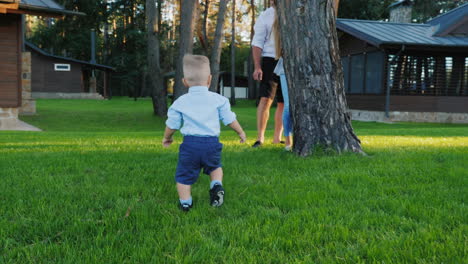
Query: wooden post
[[105, 84]]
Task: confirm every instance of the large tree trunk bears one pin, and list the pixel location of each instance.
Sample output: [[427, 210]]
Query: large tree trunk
[[106, 42], [187, 25], [158, 93], [204, 37], [233, 54], [315, 77], [251, 83], [216, 50], [106, 32]]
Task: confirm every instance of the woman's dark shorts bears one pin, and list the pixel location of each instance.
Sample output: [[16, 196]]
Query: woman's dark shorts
[[266, 90], [196, 153]]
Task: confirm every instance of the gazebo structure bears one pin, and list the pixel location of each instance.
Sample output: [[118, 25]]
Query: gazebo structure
[[404, 71], [15, 66]]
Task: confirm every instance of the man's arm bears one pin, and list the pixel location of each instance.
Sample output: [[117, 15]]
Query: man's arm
[[257, 56], [258, 42], [167, 140], [237, 127]]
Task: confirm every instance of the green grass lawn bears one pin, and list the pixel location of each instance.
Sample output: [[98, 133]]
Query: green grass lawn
[[97, 187]]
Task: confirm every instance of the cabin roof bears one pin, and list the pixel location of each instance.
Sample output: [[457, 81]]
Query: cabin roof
[[35, 7], [44, 53], [444, 23], [48, 6], [380, 33]]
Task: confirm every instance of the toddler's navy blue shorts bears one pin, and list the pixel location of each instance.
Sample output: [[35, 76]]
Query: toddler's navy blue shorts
[[196, 153]]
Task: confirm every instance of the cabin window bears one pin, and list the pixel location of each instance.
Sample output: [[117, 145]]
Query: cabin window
[[345, 63], [374, 72], [363, 73], [357, 74], [62, 67]]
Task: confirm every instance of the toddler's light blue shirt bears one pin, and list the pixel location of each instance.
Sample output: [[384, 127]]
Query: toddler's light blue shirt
[[198, 113]]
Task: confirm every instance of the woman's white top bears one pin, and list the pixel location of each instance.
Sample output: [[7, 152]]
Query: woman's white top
[[264, 36]]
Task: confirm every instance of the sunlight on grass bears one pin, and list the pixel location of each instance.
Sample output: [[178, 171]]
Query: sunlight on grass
[[230, 142], [412, 141], [101, 190]]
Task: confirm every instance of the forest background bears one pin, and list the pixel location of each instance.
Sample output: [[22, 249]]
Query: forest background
[[121, 35]]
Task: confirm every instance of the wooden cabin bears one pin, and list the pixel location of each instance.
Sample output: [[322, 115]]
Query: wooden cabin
[[10, 67], [404, 67], [53, 75], [15, 68]]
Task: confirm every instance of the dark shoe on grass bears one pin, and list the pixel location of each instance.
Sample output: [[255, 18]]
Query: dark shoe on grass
[[257, 144], [185, 207], [217, 195]]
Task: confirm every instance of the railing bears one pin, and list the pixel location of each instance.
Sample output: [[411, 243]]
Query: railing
[[428, 75]]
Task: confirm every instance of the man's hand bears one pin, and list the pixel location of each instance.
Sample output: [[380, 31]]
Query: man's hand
[[242, 137], [257, 61], [258, 74], [166, 142]]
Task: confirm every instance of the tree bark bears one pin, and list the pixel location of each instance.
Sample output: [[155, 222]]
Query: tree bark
[[106, 32], [158, 93], [204, 26], [233, 54], [187, 25], [315, 77], [216, 50], [251, 83]]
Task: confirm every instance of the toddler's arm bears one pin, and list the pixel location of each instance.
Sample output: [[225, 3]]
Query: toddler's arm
[[237, 127], [167, 140]]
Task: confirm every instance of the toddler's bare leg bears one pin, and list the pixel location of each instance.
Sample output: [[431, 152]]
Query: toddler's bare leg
[[217, 175], [184, 191]]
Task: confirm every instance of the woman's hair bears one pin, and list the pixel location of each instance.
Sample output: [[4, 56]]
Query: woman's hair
[[277, 35]]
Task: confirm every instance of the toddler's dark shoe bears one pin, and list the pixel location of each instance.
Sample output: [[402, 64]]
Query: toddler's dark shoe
[[185, 207], [217, 195]]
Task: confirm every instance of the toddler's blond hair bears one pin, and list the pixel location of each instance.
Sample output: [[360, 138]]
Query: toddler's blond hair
[[196, 70]]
